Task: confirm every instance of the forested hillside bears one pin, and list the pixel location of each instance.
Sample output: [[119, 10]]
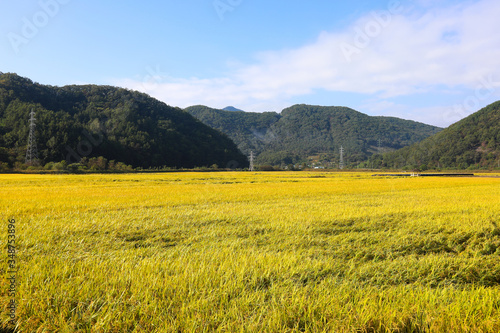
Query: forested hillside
[[89, 121], [304, 130], [473, 142], [249, 130]]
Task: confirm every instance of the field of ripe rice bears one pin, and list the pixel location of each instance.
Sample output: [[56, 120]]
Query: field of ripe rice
[[251, 252]]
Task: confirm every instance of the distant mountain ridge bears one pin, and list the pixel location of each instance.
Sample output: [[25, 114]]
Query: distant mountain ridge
[[131, 127], [118, 124], [304, 130], [471, 142], [231, 108]]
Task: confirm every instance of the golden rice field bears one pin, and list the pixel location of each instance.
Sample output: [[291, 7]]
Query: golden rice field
[[251, 252]]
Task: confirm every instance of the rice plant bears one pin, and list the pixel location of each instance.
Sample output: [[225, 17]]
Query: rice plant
[[251, 252]]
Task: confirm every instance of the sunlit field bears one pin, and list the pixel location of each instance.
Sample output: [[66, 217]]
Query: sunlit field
[[252, 252]]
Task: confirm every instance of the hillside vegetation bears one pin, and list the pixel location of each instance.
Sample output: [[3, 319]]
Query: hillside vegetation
[[473, 142], [118, 124], [304, 130]]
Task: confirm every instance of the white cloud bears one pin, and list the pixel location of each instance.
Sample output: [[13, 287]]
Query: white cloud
[[418, 51], [437, 115]]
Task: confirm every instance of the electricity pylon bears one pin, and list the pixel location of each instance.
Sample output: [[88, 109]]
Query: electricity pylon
[[251, 161], [341, 164], [32, 151]]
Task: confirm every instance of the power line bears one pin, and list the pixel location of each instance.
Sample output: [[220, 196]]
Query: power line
[[32, 151]]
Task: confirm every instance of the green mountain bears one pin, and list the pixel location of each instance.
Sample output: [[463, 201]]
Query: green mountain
[[301, 131], [249, 130], [472, 142], [89, 121]]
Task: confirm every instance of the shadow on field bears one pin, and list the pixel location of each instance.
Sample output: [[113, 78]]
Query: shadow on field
[[410, 325], [7, 330]]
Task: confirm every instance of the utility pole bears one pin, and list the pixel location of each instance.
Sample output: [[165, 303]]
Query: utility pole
[[32, 151], [341, 164], [251, 161]]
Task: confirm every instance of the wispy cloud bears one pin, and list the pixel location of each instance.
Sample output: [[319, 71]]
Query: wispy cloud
[[422, 48]]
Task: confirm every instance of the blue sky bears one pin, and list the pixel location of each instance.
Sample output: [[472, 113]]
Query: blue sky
[[430, 61]]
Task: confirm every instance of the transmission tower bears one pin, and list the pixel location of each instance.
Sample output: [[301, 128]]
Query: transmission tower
[[251, 161], [341, 164], [379, 144], [32, 152]]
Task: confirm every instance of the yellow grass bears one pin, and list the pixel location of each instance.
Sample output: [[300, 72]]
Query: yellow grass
[[250, 252]]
